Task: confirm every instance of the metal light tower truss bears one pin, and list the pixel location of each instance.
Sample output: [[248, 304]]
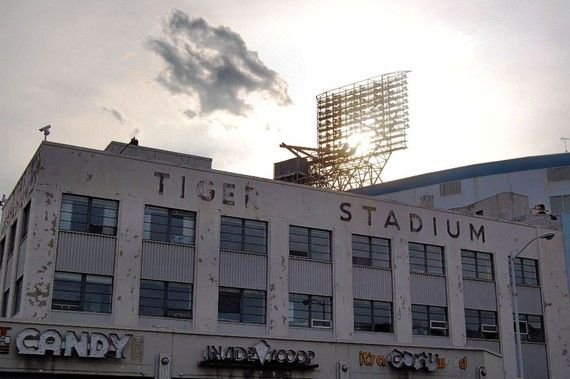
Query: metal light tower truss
[[359, 126]]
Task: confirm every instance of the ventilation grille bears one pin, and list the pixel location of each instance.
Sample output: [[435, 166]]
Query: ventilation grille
[[558, 174], [450, 188]]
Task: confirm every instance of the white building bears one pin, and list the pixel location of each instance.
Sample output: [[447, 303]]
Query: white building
[[139, 262]]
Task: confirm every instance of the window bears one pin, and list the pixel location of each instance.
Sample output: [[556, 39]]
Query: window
[[481, 324], [526, 271], [5, 303], [165, 299], [25, 222], [82, 292], [239, 234], [531, 327], [169, 225], [560, 204], [18, 295], [450, 188], [372, 316], [426, 258], [557, 174], [12, 239], [310, 243], [2, 244], [370, 251], [310, 311], [241, 305], [88, 215], [429, 320], [476, 265]]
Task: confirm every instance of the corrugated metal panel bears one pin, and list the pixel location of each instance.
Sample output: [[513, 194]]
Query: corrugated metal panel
[[21, 258], [166, 261], [310, 277], [371, 283], [535, 360], [243, 270], [478, 294], [529, 300], [486, 344], [90, 253], [428, 289]]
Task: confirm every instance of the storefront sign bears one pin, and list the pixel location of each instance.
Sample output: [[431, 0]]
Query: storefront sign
[[260, 355], [85, 345], [4, 340], [419, 361]]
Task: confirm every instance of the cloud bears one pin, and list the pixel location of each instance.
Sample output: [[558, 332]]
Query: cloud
[[214, 64], [116, 114]]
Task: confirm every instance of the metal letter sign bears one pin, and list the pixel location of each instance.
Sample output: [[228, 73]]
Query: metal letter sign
[[420, 361]]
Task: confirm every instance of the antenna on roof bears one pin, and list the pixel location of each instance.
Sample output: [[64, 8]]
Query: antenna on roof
[[565, 139], [45, 130]]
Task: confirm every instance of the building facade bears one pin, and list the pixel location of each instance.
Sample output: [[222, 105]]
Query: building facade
[[139, 262]]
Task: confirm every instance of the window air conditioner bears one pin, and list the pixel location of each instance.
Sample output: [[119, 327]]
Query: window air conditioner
[[489, 328], [315, 323], [438, 325]]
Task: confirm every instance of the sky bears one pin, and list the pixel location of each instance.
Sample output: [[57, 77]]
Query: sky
[[231, 80]]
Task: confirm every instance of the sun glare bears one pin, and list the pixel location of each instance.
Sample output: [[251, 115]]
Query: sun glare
[[361, 143]]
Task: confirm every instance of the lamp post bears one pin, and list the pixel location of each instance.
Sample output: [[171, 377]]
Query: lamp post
[[520, 371]]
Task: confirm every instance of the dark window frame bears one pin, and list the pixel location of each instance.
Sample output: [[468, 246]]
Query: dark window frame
[[12, 239], [373, 326], [244, 245], [310, 252], [311, 312], [522, 278], [82, 304], [18, 288], [25, 221], [479, 316], [167, 298], [373, 256], [431, 315], [90, 227], [243, 294], [479, 273], [534, 334], [2, 246], [169, 232], [5, 303], [425, 258]]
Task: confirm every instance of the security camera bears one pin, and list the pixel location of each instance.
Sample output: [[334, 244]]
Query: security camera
[[45, 129]]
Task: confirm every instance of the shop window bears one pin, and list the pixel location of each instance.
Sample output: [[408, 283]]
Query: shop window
[[526, 271], [310, 311], [241, 305], [429, 320], [310, 243], [531, 327], [169, 225], [25, 222], [370, 251], [88, 215], [12, 239], [481, 324], [165, 299], [373, 316], [426, 258], [238, 234], [476, 265], [82, 292]]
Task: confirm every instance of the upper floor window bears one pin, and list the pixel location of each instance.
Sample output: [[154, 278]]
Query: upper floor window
[[372, 316], [241, 305], [531, 327], [25, 222], [481, 324], [169, 225], [5, 303], [310, 243], [165, 299], [426, 258], [88, 214], [429, 320], [526, 271], [12, 239], [370, 251], [18, 295], [82, 292], [240, 234], [310, 311], [2, 244], [476, 265]]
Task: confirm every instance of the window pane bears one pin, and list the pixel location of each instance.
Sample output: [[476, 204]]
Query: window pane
[[253, 307], [229, 304], [363, 315], [98, 294], [66, 291], [298, 241], [151, 302], [182, 226], [321, 308], [382, 317], [179, 300], [298, 310], [73, 215]]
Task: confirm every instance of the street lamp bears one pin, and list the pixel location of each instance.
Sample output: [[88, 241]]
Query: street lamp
[[546, 236]]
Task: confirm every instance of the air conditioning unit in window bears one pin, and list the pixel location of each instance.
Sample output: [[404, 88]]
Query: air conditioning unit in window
[[438, 325], [489, 328], [315, 323]]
